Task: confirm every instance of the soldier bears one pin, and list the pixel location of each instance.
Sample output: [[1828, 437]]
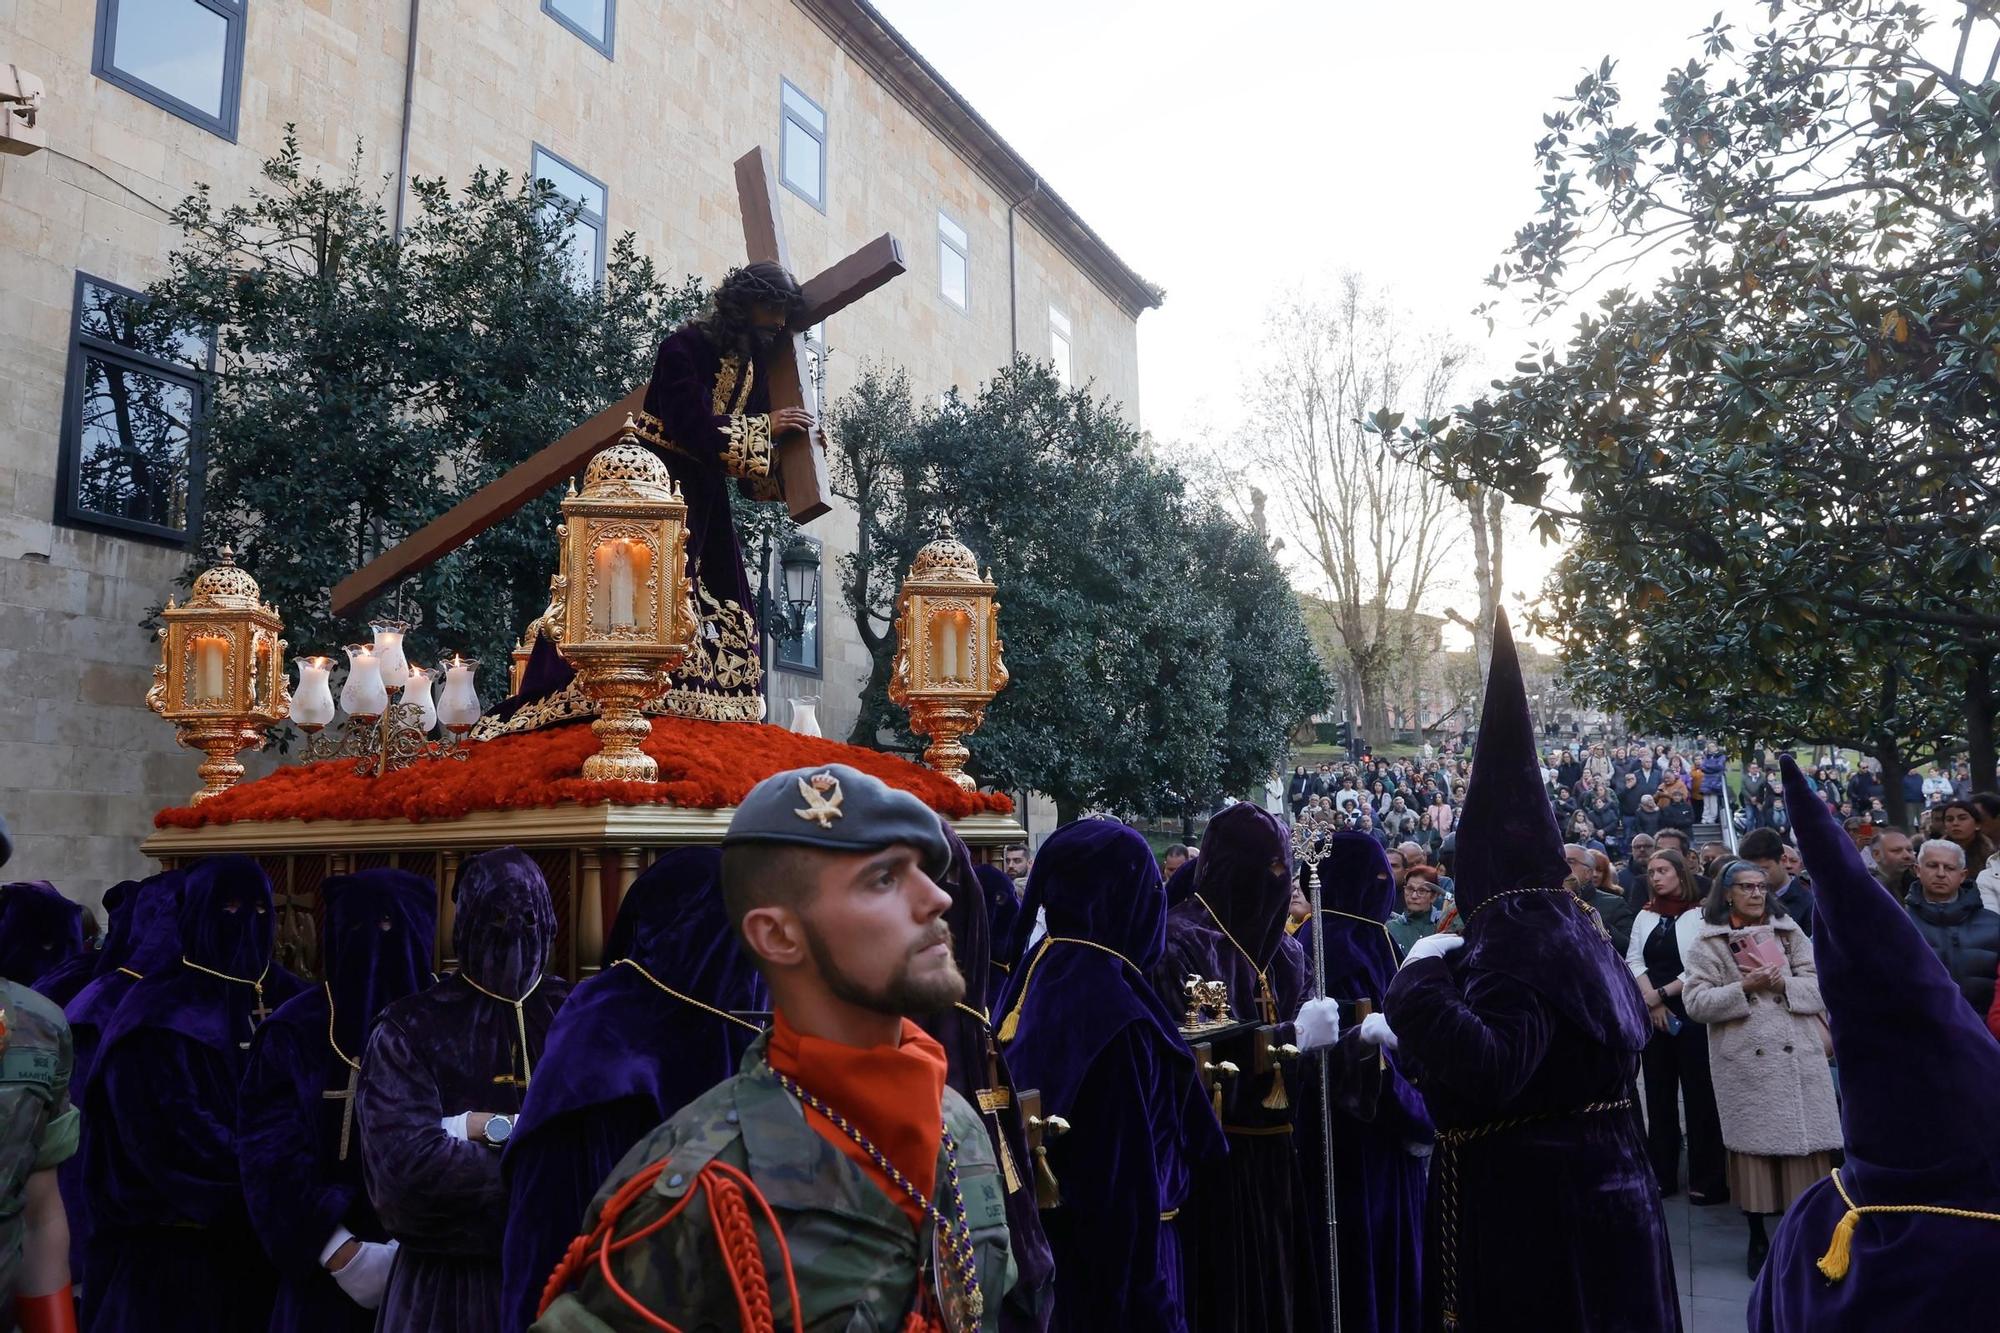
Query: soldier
[[38, 1132], [838, 1155]]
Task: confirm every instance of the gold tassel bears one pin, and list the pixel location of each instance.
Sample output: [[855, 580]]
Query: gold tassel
[[1833, 1264], [1011, 1024], [1047, 1193], [1276, 1099]]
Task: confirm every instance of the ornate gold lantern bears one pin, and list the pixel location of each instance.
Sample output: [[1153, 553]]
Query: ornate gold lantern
[[221, 675], [948, 651], [627, 604]]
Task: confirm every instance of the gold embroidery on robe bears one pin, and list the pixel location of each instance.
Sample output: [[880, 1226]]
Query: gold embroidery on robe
[[747, 451]]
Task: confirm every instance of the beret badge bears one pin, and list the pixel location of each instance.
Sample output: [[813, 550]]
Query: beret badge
[[823, 798]]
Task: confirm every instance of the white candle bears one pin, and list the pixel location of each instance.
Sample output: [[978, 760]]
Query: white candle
[[211, 657], [312, 702], [948, 647], [389, 659], [418, 694], [458, 705], [624, 586], [364, 694]]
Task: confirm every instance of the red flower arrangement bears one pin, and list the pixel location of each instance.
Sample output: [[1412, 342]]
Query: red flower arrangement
[[703, 765]]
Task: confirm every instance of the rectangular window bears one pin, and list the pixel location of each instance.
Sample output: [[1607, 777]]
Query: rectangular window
[[131, 449], [586, 231], [592, 20], [801, 651], [183, 56], [815, 367], [1059, 346], [802, 146], [954, 262]]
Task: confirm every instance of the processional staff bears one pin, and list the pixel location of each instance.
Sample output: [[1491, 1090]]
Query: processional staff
[[1312, 841]]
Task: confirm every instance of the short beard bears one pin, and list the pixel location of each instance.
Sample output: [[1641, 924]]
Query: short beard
[[903, 994]]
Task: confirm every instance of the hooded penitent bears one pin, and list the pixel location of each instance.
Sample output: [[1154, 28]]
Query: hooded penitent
[[473, 1042], [40, 931], [1003, 910], [1379, 1118], [1086, 1029], [1249, 1261], [65, 982], [667, 1019], [1542, 1210], [171, 1247], [299, 1140], [1920, 1092]]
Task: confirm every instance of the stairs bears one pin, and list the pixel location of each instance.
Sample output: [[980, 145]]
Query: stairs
[[1704, 834]]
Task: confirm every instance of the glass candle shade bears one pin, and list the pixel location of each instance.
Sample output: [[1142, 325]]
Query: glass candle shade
[[211, 672], [389, 659], [417, 693], [312, 704], [623, 566], [363, 695], [458, 705]]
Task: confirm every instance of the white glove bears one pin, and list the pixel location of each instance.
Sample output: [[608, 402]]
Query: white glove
[[454, 1125], [1375, 1030], [366, 1277], [1433, 946], [1318, 1024]]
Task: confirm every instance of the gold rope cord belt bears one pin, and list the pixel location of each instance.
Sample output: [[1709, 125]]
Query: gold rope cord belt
[[1011, 1024], [724, 1015], [1449, 1141], [1839, 1254], [520, 1023]]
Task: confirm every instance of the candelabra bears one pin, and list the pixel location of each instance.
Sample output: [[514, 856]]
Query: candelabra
[[384, 734]]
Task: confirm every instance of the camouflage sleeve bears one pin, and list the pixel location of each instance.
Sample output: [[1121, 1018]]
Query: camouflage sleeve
[[58, 1141], [985, 1199]]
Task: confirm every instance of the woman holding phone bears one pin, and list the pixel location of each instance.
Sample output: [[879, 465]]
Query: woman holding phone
[[1675, 1060], [1750, 979]]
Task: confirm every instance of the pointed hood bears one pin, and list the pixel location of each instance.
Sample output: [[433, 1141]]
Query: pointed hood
[[672, 923], [506, 923], [1244, 875], [40, 930], [1907, 1042], [225, 917], [380, 928], [1507, 835]]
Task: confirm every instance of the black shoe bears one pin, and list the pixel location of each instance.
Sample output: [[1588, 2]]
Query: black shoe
[[1759, 1247]]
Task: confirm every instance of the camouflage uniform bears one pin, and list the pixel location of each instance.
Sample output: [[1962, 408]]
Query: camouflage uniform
[[38, 1126], [857, 1260]]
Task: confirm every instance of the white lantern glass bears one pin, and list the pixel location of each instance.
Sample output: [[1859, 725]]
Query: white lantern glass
[[211, 671], [417, 693], [312, 703], [363, 695], [458, 705], [389, 659]]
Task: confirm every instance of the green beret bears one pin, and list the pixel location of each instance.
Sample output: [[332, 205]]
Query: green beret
[[838, 809]]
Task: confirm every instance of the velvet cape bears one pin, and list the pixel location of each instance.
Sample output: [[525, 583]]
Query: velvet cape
[[40, 931], [1381, 1131], [1910, 1050], [377, 933], [1003, 910], [65, 982], [1554, 1222], [622, 1057], [450, 1049], [1089, 1032], [1244, 1233], [171, 1245]]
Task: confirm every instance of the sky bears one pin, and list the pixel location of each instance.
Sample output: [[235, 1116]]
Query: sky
[[1239, 153]]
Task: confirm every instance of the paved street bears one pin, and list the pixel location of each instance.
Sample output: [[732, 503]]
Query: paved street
[[1709, 1246]]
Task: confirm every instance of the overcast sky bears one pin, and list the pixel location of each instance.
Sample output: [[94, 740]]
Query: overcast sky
[[1236, 152]]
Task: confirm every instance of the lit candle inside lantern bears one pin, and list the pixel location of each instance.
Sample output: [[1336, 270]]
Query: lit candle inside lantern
[[624, 589], [389, 659], [211, 660], [364, 694], [418, 694], [458, 705], [312, 704], [947, 647]]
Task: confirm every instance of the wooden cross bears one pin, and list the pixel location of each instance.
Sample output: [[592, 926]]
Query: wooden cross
[[801, 463], [346, 1111]]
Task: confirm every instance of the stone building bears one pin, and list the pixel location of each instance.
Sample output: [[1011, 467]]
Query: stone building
[[638, 108]]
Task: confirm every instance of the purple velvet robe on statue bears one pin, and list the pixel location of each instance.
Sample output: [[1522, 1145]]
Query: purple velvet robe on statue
[[378, 929], [623, 1056], [1379, 1121], [1092, 1036], [40, 931], [1557, 1220], [454, 1048], [974, 1062], [171, 1246], [1245, 1230]]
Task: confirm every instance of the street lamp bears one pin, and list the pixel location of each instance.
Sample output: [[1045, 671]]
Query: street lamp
[[800, 564]]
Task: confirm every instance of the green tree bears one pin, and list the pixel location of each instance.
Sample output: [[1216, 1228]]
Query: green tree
[[1158, 659], [1775, 465], [367, 381]]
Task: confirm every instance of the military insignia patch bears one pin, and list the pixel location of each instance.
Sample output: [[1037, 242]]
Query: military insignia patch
[[823, 798]]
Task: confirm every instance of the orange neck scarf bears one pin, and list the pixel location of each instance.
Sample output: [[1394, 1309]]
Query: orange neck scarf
[[893, 1095]]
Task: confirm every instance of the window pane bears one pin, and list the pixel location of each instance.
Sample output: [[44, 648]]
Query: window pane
[[1059, 321], [593, 16], [951, 274], [133, 444], [1059, 353], [582, 254], [802, 158], [177, 46], [569, 184], [952, 232], [802, 650], [116, 317], [801, 106]]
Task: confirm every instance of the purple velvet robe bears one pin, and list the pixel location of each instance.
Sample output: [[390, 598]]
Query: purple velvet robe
[[378, 929], [447, 1050], [974, 1062], [40, 931], [66, 981], [622, 1057], [1380, 1125], [171, 1245], [1003, 909], [1092, 1036], [1245, 1231]]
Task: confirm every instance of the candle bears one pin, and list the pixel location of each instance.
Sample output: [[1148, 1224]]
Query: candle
[[364, 694], [947, 647], [418, 694], [211, 657], [624, 586], [458, 705], [389, 659], [312, 702]]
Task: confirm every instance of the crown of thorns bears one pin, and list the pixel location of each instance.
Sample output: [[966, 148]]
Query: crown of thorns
[[757, 289]]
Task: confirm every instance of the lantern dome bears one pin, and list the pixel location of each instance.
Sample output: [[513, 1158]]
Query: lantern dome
[[630, 467], [945, 560], [226, 586]]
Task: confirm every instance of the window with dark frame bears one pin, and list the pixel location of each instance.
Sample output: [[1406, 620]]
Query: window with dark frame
[[954, 262], [801, 652], [802, 145], [183, 56], [595, 21], [587, 230], [131, 459]]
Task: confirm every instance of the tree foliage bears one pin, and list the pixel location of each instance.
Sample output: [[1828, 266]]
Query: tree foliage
[[1774, 465], [1158, 658], [367, 381]]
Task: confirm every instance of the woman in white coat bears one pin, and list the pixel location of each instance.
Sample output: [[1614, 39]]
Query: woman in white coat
[[1751, 981]]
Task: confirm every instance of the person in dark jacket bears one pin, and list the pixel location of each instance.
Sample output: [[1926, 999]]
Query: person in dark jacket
[[1961, 932], [1767, 848]]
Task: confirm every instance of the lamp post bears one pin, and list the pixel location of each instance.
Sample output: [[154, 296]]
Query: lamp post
[[221, 675]]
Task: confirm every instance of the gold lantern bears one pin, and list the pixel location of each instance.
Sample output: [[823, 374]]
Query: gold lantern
[[948, 651], [627, 605], [221, 675]]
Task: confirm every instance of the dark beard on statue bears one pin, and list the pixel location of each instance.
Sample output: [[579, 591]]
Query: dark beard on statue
[[904, 994]]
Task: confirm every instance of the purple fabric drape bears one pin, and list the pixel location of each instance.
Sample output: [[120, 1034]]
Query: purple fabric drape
[[40, 931]]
